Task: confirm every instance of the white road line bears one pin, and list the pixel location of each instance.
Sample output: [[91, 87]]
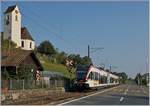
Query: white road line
[[87, 96], [126, 91], [121, 99]]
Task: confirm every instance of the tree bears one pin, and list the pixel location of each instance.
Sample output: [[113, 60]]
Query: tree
[[141, 79], [138, 78], [74, 58], [86, 60], [61, 57], [79, 60], [7, 45], [122, 76], [25, 72], [46, 48]]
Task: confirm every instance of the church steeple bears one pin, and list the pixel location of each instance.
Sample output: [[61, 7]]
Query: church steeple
[[12, 24], [13, 30]]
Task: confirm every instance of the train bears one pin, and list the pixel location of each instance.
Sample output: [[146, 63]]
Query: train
[[90, 77]]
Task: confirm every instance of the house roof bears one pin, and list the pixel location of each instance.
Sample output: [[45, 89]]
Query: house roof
[[25, 34], [10, 9], [15, 58]]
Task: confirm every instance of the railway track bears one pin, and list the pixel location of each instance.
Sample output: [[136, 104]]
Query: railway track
[[52, 98]]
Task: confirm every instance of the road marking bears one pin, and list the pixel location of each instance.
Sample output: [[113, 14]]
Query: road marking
[[126, 91], [87, 96], [121, 99]]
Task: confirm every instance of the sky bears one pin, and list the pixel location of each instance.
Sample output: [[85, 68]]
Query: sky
[[121, 28]]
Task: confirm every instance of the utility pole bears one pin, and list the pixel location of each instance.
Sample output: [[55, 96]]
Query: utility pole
[[110, 68], [88, 51]]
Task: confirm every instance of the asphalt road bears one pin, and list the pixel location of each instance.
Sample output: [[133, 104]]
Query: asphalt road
[[121, 95]]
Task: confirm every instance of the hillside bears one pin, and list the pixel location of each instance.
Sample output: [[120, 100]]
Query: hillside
[[48, 66]]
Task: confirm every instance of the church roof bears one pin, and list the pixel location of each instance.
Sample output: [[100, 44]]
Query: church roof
[[10, 9], [25, 34]]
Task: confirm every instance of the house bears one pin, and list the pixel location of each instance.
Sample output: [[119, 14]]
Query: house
[[18, 62], [13, 30]]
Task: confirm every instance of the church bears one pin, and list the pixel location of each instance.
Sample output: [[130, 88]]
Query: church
[[13, 30]]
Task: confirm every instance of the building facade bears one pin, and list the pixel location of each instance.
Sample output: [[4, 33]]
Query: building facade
[[13, 30]]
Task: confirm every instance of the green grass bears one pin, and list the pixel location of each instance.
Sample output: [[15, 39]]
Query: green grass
[[53, 67], [56, 68]]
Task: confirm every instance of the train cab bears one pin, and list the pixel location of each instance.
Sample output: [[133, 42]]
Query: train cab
[[90, 77], [81, 74]]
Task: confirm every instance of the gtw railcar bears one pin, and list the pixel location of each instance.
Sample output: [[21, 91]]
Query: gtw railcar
[[90, 77]]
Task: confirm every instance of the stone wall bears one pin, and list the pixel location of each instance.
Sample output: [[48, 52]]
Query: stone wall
[[23, 94]]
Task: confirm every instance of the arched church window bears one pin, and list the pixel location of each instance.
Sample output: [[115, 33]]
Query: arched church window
[[22, 43], [16, 18], [7, 17], [30, 44]]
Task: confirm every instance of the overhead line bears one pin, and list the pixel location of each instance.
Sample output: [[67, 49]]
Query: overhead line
[[45, 28], [39, 16]]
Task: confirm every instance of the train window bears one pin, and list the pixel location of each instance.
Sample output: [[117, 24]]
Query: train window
[[96, 76], [99, 78], [81, 75], [103, 79], [112, 80], [91, 75]]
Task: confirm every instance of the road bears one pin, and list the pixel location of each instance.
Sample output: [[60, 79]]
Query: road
[[120, 95]]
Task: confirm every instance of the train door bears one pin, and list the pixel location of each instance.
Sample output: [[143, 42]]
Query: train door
[[108, 78], [99, 78]]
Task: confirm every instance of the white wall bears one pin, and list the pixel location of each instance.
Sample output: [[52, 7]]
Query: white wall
[[13, 29], [27, 44], [7, 28], [16, 28]]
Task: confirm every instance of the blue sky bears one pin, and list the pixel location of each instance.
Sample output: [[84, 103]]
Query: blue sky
[[120, 27]]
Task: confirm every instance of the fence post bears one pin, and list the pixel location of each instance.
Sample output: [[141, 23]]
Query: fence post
[[49, 83], [55, 83], [42, 82], [10, 84], [23, 85]]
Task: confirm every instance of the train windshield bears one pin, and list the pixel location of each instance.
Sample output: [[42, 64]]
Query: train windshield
[[81, 72], [81, 75]]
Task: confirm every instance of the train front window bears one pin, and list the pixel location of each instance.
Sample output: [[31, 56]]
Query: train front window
[[81, 75]]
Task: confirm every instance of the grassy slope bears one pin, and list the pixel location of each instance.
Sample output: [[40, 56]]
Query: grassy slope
[[53, 67]]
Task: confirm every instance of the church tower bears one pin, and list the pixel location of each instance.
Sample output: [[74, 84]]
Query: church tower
[[12, 25]]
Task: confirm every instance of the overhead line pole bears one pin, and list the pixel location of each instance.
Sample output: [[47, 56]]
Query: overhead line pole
[[88, 51]]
